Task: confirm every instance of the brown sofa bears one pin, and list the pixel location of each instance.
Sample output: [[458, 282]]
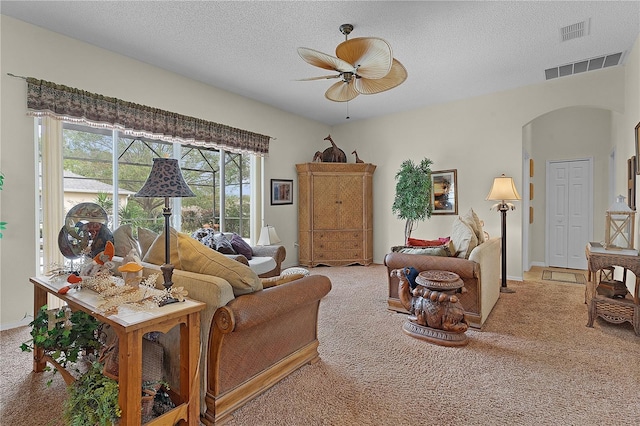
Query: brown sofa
[[249, 342], [480, 274]]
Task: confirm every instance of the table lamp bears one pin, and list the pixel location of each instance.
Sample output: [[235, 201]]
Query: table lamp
[[268, 236], [165, 180], [503, 190]]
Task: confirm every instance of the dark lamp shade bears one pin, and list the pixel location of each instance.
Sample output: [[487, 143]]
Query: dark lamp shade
[[165, 180], [503, 189]]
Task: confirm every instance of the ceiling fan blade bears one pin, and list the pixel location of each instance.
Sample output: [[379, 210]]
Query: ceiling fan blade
[[396, 76], [322, 60], [322, 77], [341, 92], [371, 56]]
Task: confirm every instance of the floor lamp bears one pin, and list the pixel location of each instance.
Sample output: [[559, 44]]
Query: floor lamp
[[504, 190], [166, 181]]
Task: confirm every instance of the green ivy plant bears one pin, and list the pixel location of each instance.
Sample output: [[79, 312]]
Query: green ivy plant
[[66, 337], [413, 194], [92, 399]]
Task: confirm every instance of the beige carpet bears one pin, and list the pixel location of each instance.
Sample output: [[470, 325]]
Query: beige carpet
[[535, 363], [563, 276]]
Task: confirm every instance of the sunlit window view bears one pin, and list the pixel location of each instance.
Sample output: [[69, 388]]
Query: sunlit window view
[[104, 167]]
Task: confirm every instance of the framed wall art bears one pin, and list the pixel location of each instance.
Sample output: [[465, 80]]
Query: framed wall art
[[444, 192], [281, 191], [637, 133]]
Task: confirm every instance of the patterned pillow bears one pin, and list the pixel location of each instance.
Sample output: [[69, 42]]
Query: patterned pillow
[[205, 236], [222, 244], [295, 270], [241, 246], [428, 251]]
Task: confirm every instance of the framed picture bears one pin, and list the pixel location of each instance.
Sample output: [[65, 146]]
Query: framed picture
[[281, 191], [637, 133], [444, 192]]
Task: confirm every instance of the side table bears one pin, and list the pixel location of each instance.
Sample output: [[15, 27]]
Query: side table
[[614, 310], [130, 327]]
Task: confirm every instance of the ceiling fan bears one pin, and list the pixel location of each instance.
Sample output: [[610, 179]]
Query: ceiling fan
[[365, 66]]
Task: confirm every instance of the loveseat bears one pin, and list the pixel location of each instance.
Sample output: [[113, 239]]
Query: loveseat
[[477, 263], [250, 337]]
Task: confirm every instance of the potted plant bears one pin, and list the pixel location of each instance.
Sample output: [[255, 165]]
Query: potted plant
[[413, 194], [92, 399], [63, 336]]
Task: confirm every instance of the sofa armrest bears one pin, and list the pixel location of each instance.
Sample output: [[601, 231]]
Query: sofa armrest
[[279, 253], [487, 255], [252, 309], [465, 268], [259, 338]]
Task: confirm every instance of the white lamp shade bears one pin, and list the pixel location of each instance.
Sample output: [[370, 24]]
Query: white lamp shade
[[503, 189], [268, 236]]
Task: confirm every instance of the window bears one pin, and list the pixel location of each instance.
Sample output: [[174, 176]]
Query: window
[[102, 166]]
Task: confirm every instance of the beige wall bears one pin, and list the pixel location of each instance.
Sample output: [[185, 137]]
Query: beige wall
[[569, 134], [31, 51], [480, 137]]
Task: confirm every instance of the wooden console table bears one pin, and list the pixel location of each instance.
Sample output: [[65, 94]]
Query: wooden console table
[[130, 326], [615, 310]]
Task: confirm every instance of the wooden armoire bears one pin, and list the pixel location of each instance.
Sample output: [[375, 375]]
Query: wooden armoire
[[335, 213]]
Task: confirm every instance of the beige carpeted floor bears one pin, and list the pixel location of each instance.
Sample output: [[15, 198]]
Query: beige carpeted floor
[[534, 363]]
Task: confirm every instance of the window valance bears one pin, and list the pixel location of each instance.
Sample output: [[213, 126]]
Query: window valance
[[66, 103]]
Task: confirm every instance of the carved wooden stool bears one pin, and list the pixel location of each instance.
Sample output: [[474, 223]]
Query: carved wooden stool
[[436, 314]]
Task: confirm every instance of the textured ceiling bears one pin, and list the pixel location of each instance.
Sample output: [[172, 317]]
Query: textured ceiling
[[452, 50]]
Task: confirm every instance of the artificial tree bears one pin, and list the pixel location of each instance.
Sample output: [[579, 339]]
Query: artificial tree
[[413, 194]]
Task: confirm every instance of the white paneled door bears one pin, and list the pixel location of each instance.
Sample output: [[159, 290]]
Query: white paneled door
[[569, 212]]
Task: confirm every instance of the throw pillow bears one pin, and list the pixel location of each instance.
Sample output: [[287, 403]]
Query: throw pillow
[[196, 257], [274, 281], [463, 238], [472, 219], [156, 254], [205, 236], [146, 237], [222, 244], [415, 242], [123, 241], [428, 251], [241, 246]]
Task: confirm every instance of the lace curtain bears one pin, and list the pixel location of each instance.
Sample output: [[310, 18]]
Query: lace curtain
[[66, 103]]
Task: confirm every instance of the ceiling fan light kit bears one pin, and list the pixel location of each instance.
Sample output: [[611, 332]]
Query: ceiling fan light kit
[[365, 65]]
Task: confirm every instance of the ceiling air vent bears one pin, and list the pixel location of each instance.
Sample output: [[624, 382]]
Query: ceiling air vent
[[584, 65], [577, 30]]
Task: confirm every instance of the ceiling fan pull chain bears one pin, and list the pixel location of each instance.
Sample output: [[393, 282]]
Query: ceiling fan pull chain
[[348, 110]]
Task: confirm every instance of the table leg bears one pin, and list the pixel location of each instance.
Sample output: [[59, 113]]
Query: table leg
[[130, 377], [189, 368], [39, 300]]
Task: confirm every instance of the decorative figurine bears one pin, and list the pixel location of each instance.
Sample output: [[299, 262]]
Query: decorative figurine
[[333, 154]]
